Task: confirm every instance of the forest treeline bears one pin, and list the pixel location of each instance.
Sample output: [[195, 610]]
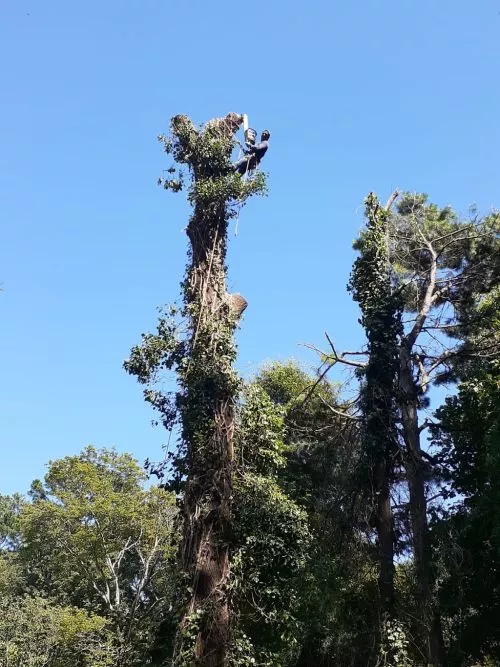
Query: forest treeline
[[296, 524]]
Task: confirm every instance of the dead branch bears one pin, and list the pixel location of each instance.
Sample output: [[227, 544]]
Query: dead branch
[[341, 358], [391, 200], [313, 386], [344, 415]]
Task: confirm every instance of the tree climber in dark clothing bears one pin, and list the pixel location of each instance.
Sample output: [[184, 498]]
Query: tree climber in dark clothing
[[253, 154]]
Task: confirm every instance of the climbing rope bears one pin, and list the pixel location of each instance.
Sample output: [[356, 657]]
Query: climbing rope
[[239, 202], [205, 288]]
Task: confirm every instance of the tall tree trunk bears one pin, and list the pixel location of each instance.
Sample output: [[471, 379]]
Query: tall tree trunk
[[385, 534], [208, 389], [199, 345], [209, 398], [429, 615], [381, 318]]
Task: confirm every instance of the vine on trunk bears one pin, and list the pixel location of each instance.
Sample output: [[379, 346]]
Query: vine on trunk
[[381, 309], [197, 342]]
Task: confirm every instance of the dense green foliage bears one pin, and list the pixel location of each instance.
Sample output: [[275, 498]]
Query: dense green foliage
[[468, 531], [372, 287], [89, 567]]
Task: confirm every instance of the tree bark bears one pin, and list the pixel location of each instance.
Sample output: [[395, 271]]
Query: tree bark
[[385, 534], [371, 285], [207, 505], [415, 468], [207, 410]]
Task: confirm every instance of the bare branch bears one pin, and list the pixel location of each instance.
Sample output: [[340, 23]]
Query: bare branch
[[425, 424], [359, 354], [344, 415], [331, 359], [391, 200], [341, 358], [428, 298], [313, 387], [424, 375]]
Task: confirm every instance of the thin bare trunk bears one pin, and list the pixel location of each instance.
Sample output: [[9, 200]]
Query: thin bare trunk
[[418, 511]]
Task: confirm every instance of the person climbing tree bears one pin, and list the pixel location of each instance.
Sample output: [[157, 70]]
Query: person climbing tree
[[253, 154], [208, 386]]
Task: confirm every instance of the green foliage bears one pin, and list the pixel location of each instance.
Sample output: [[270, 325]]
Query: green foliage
[[479, 331], [189, 340], [468, 536], [371, 280], [371, 286], [211, 192], [270, 553], [416, 221], [12, 581], [287, 383], [469, 249], [98, 540], [260, 447], [207, 152], [10, 507], [394, 649], [34, 632], [158, 352], [309, 423], [310, 600], [270, 540]]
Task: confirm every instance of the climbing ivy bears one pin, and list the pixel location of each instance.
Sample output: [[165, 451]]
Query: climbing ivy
[[196, 342], [371, 286], [270, 540], [381, 307]]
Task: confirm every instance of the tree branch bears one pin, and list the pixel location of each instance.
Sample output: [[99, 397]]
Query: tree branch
[[344, 415], [341, 358], [391, 200], [428, 299]]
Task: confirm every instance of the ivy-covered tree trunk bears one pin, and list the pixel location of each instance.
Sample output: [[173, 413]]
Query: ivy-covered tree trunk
[[209, 390], [371, 286], [385, 532], [208, 422], [201, 349]]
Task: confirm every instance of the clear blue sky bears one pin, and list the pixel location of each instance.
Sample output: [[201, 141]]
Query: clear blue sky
[[358, 96]]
